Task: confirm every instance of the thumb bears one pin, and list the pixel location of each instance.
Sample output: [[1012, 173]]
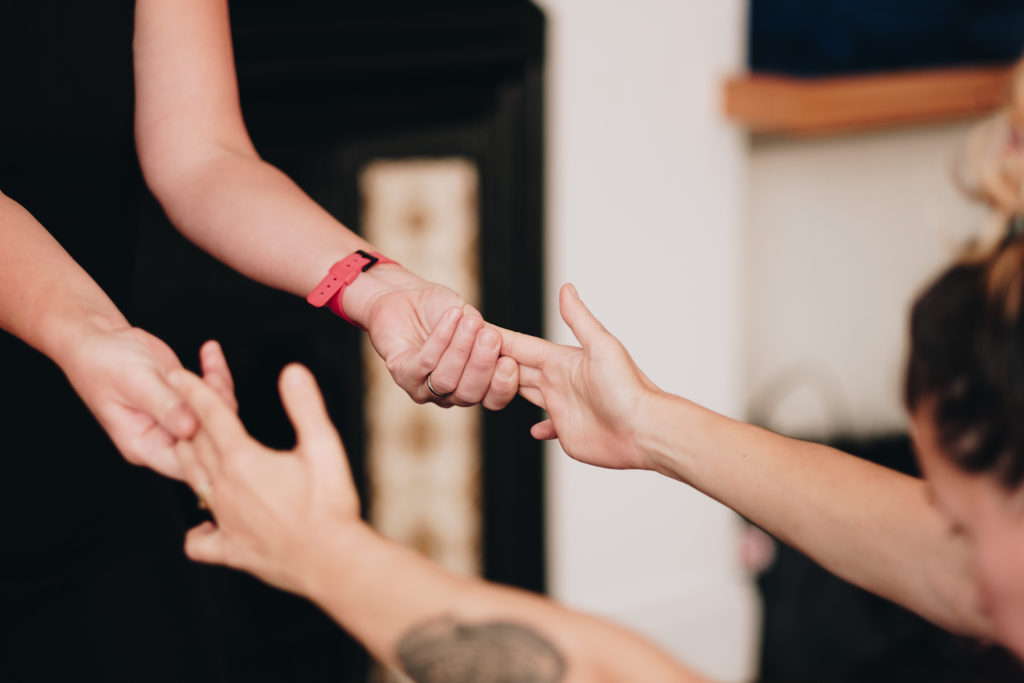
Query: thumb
[[586, 328], [216, 372], [305, 407], [205, 544], [544, 431]]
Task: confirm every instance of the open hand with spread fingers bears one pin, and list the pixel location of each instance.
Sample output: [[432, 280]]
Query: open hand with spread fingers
[[595, 395], [273, 510]]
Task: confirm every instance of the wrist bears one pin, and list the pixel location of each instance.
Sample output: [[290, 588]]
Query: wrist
[[361, 298], [670, 433], [339, 552], [66, 334]]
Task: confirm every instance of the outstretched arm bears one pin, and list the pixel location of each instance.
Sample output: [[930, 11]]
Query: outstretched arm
[[292, 519], [870, 525], [119, 371], [200, 163]]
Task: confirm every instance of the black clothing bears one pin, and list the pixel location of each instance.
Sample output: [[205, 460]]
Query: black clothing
[[93, 581], [94, 584]]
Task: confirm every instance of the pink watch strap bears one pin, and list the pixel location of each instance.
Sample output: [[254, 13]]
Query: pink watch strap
[[341, 275]]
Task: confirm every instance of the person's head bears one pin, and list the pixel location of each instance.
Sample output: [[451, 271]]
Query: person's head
[[964, 391], [991, 164]]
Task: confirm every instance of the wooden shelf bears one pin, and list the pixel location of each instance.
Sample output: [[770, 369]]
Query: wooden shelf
[[817, 106]]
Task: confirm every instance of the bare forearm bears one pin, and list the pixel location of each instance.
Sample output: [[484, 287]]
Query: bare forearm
[[200, 163], [46, 299], [251, 216], [410, 613], [866, 523]]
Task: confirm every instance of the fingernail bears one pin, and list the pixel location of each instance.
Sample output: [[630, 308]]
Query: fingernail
[[573, 292], [490, 340], [293, 374]]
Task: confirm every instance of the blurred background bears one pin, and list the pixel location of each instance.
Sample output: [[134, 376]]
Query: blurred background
[[748, 194]]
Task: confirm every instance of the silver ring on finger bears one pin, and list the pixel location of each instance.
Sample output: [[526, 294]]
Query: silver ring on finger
[[434, 391]]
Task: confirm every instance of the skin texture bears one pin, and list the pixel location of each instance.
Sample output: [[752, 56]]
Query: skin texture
[[291, 518], [990, 520], [870, 525]]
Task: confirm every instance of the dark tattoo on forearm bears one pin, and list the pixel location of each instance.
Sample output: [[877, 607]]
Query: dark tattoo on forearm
[[443, 650]]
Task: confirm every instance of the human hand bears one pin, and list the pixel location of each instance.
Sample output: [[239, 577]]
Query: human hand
[[274, 510], [595, 396], [425, 331], [121, 375]]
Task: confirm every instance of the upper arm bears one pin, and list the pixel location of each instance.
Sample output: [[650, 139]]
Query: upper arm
[[186, 91]]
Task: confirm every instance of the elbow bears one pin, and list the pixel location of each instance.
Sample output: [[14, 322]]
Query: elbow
[[170, 163], [163, 168], [157, 179]]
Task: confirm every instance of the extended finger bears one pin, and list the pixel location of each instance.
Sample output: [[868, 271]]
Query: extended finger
[[217, 420], [534, 396], [531, 377], [448, 370], [504, 384], [305, 407], [217, 374], [525, 349], [543, 431], [204, 543], [476, 377], [194, 474], [578, 317]]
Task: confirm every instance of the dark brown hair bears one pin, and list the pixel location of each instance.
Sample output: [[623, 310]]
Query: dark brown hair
[[967, 361]]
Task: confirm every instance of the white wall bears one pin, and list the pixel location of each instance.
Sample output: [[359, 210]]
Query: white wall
[[645, 215], [844, 232]]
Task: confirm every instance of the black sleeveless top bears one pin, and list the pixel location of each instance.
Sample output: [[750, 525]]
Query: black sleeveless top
[[66, 155]]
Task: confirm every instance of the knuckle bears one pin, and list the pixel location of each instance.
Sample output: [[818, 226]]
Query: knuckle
[[443, 384], [394, 366], [426, 363], [466, 398], [482, 362], [466, 337], [462, 345]]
